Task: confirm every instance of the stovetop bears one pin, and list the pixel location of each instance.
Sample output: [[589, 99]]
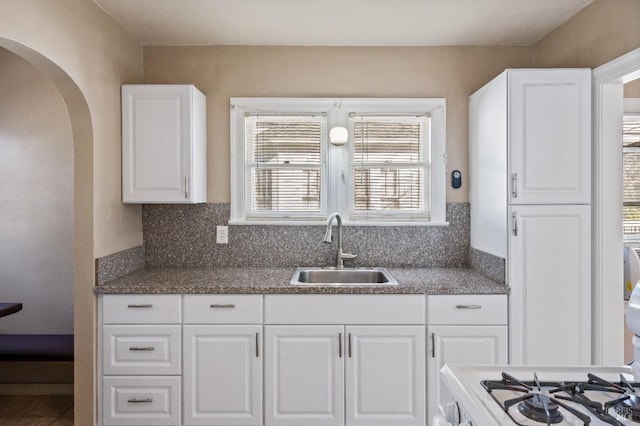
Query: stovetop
[[534, 396]]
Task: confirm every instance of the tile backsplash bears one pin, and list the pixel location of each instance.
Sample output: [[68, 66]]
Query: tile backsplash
[[184, 236]]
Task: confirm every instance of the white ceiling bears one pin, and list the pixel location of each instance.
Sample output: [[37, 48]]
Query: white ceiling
[[341, 22]]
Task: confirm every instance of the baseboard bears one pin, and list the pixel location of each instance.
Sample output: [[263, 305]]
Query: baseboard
[[36, 388], [41, 372]]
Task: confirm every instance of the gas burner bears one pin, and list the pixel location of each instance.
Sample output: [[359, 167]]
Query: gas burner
[[535, 403], [541, 409], [626, 406]]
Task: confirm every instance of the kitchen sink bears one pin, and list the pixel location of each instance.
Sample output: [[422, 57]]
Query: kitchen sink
[[337, 277]]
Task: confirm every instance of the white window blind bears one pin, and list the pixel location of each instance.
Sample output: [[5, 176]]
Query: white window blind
[[631, 176], [285, 163], [390, 166]]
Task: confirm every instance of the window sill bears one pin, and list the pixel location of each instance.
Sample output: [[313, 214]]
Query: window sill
[[324, 223]]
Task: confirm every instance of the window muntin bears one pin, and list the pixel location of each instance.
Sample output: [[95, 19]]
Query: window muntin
[[389, 165], [423, 201]]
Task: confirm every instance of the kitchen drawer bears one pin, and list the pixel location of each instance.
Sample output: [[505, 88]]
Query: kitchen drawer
[[141, 400], [222, 309], [472, 309], [141, 309], [366, 309], [141, 349]]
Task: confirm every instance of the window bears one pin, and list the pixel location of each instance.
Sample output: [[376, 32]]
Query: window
[[285, 170], [631, 177], [389, 166], [285, 158]]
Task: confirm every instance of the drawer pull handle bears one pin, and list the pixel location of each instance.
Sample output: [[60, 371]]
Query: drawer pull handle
[[433, 345], [142, 348], [468, 306], [147, 306], [231, 306], [140, 401]]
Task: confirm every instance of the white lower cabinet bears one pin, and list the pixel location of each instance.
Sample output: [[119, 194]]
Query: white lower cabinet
[[141, 400], [385, 375], [222, 351], [342, 374], [222, 375], [463, 329], [141, 360], [304, 375], [326, 360], [353, 375]]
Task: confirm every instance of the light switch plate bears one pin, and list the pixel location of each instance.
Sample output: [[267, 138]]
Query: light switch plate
[[222, 234]]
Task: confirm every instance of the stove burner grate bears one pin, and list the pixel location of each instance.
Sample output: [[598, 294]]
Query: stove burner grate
[[626, 406], [533, 403]]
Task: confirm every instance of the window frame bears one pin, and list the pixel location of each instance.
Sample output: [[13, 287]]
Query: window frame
[[631, 112], [336, 189]]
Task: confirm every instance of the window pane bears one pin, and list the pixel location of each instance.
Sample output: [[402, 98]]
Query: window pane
[[388, 189], [631, 133], [388, 165], [286, 190], [285, 156], [387, 141]]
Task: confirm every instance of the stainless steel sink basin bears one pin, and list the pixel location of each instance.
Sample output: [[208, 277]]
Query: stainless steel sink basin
[[338, 277]]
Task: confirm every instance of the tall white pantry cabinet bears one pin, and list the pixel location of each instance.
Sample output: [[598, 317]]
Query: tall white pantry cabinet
[[530, 174]]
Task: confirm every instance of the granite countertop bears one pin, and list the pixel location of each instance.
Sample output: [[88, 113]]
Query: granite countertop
[[263, 280]]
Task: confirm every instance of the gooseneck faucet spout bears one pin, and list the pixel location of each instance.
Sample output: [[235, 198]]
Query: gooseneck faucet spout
[[341, 256]]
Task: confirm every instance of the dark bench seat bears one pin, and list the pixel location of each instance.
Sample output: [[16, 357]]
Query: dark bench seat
[[36, 347]]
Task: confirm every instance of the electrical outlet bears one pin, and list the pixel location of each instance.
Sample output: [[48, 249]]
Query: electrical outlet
[[222, 234]]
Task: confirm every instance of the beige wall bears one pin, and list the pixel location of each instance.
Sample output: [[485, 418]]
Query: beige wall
[[632, 89], [36, 218], [98, 56], [602, 31], [224, 71], [87, 56]]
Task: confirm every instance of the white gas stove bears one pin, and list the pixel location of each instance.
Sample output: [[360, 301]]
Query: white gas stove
[[534, 396]]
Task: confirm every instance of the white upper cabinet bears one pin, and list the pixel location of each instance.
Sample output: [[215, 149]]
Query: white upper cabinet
[[529, 143], [549, 129], [164, 144]]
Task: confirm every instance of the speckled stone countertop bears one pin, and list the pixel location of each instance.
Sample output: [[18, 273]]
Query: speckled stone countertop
[[261, 280]]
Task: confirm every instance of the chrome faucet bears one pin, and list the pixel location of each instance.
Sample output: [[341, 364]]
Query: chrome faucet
[[327, 239]]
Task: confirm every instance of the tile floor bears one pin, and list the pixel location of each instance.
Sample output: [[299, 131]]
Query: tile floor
[[36, 410]]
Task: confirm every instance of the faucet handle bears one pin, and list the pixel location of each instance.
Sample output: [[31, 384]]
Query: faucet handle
[[348, 256]]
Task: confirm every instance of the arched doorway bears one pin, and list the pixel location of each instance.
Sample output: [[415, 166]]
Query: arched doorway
[[83, 270]]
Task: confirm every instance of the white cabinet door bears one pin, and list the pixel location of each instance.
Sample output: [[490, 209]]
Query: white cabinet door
[[385, 377], [464, 344], [550, 279], [163, 144], [222, 375], [304, 375], [550, 136]]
